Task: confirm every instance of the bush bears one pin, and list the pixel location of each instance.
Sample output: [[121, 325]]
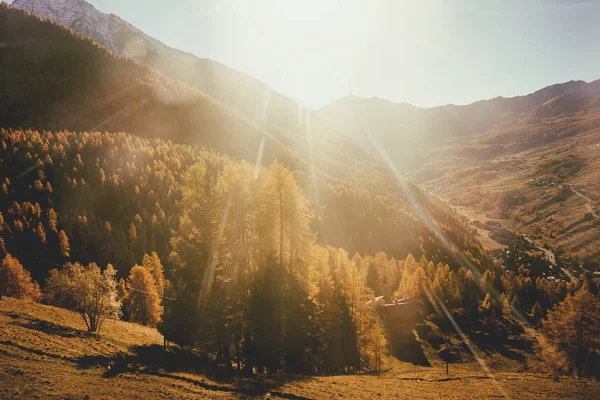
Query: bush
[[15, 281]]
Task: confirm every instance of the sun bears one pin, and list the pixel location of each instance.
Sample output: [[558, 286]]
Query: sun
[[303, 11]]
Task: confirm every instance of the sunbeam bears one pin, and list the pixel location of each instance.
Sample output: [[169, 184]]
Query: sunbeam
[[435, 301], [426, 217]]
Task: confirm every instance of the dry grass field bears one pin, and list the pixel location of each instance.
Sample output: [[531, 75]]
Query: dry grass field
[[46, 354]]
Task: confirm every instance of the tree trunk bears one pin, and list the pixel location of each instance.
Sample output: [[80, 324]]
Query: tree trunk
[[281, 225], [291, 246]]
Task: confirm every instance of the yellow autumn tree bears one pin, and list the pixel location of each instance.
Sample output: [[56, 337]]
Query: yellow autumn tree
[[573, 326], [285, 215], [64, 243], [15, 281], [142, 300], [152, 263]]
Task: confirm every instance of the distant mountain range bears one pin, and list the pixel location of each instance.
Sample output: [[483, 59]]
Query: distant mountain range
[[401, 127], [397, 127]]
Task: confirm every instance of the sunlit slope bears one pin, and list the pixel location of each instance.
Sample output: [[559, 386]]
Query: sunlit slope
[[409, 133], [46, 353], [112, 178], [538, 170], [297, 127], [55, 79]]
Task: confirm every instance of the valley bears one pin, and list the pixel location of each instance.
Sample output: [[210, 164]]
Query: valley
[[171, 227]]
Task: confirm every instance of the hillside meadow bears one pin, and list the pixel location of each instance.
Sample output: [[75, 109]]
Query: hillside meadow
[[47, 354]]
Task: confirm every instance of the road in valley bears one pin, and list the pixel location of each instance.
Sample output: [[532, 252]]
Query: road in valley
[[588, 203], [548, 254]]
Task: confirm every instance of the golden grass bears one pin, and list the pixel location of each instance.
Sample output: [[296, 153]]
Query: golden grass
[[42, 347]]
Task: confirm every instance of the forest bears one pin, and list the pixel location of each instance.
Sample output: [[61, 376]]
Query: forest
[[126, 194], [63, 81], [233, 251]]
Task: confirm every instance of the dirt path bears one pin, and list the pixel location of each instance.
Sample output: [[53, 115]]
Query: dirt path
[[588, 203], [549, 256]]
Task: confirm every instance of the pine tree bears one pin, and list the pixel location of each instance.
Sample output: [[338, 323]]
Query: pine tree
[[537, 312], [267, 318], [2, 248]]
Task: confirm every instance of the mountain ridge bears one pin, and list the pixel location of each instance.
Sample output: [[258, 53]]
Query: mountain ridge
[[591, 86]]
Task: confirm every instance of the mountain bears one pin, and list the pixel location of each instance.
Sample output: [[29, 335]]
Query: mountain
[[122, 38], [530, 161], [401, 127], [269, 110], [283, 117], [62, 81]]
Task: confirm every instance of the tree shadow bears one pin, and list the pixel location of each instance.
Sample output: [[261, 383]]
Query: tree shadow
[[405, 347], [154, 360], [54, 329], [35, 351], [521, 344], [503, 346]]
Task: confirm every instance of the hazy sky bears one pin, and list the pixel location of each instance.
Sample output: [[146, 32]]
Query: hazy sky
[[423, 52]]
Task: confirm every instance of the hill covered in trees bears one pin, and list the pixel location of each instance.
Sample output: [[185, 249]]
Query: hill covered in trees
[[267, 256], [297, 127], [52, 78], [244, 243]]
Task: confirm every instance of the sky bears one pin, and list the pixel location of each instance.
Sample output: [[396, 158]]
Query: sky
[[426, 53]]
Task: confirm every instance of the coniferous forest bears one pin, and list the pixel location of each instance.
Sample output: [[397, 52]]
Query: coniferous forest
[[128, 195]]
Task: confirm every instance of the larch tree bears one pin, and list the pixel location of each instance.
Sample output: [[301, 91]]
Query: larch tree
[[235, 247], [283, 198], [142, 300], [15, 281], [132, 232], [235, 203], [192, 260], [152, 263], [64, 243], [574, 327]]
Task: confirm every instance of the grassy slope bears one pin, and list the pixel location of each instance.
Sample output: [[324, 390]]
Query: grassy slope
[[480, 183], [46, 354]]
